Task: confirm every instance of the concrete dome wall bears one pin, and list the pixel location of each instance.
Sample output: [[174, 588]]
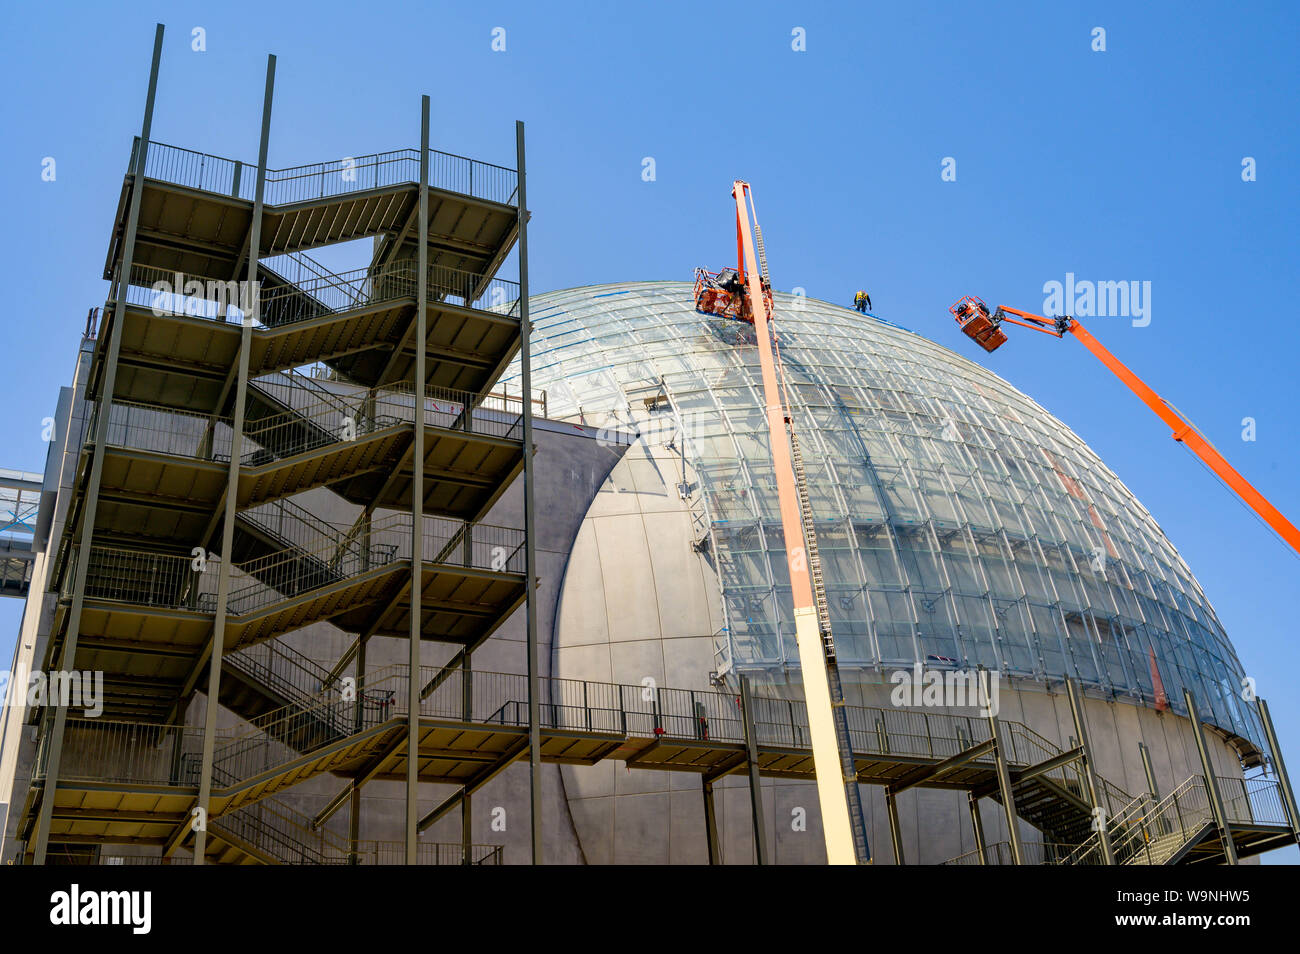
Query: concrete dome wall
[[638, 602]]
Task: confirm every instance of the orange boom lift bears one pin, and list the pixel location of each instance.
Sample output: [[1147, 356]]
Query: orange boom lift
[[985, 329], [745, 294]]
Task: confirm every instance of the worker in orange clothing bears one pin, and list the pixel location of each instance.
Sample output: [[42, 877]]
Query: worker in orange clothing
[[862, 301]]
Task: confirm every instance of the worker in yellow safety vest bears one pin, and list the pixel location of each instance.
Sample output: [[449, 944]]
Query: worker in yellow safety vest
[[862, 301]]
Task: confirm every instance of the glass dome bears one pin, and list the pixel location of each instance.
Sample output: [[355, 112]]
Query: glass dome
[[958, 522]]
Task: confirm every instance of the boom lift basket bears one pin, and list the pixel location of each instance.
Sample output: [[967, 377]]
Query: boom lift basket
[[978, 323], [724, 294]]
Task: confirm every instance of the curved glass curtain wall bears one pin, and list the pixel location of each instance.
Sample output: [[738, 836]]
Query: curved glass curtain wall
[[958, 522]]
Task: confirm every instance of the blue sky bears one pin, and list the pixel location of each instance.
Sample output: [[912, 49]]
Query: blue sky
[[1116, 165]]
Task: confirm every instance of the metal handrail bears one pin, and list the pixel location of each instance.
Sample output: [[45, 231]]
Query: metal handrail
[[626, 711], [1000, 853], [1252, 801], [1118, 827], [292, 674], [294, 526], [428, 853], [1167, 826], [636, 710], [133, 753], [230, 177], [163, 291], [147, 578], [311, 426], [297, 268], [290, 387]]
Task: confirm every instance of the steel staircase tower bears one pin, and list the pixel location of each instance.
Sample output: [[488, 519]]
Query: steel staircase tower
[[195, 377]]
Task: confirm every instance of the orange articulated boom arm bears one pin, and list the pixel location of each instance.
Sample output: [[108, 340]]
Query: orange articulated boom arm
[[1183, 430]]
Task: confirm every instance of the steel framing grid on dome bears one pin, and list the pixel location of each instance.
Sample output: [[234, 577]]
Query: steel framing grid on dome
[[958, 522]]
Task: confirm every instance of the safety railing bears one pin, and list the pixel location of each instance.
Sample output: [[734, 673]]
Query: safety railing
[[145, 578], [1165, 827], [294, 527], [288, 837], [289, 674], [367, 852], [295, 268], [337, 177], [163, 430], [291, 390], [1252, 801], [1029, 747], [681, 714], [307, 427], [284, 734], [571, 705], [495, 414], [168, 292], [127, 753], [317, 421], [1119, 827], [262, 582], [427, 853], [136, 860], [323, 415], [326, 714], [282, 834], [1000, 853]]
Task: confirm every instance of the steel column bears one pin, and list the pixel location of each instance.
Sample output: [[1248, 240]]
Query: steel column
[[466, 829], [354, 806], [68, 654], [417, 505], [895, 829], [1211, 781], [1003, 773], [1152, 787], [1284, 781], [751, 758], [530, 553], [232, 478], [711, 824], [466, 805], [977, 824], [1100, 818]]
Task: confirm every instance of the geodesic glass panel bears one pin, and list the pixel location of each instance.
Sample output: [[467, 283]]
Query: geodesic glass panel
[[959, 523]]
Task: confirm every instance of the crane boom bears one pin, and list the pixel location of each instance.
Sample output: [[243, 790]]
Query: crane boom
[[746, 295], [984, 328]]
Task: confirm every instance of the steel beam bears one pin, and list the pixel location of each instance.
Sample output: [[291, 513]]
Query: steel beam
[[472, 785], [121, 280], [923, 774], [232, 480], [726, 767]]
